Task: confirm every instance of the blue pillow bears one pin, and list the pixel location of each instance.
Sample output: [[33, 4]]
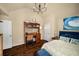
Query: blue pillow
[[75, 41], [43, 52], [66, 39]]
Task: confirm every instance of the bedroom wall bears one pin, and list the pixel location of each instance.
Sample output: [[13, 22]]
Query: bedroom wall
[[55, 14], [18, 17], [19, 14]]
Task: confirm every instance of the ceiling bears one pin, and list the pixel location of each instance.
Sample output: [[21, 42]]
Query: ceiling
[[51, 7], [14, 6]]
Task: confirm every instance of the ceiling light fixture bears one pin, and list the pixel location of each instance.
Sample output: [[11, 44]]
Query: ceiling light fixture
[[39, 7]]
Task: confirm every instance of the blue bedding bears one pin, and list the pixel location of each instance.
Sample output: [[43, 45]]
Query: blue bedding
[[42, 52]]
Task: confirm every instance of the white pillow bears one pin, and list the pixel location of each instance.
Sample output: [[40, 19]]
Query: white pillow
[[74, 41], [66, 39]]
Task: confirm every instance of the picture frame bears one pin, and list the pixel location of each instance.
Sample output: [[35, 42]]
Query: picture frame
[[71, 23]]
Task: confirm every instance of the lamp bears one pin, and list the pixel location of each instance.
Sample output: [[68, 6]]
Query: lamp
[[39, 7]]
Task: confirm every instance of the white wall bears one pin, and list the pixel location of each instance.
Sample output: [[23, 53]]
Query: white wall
[[0, 27], [18, 16]]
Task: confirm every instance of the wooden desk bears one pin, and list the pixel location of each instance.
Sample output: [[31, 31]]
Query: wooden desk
[[30, 36]]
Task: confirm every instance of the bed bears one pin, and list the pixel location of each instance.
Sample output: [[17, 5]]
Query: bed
[[67, 45]]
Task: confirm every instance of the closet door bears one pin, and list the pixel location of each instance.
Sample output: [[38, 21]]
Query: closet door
[[7, 34], [47, 32]]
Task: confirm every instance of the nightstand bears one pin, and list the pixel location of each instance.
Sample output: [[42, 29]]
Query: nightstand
[[44, 41], [55, 38]]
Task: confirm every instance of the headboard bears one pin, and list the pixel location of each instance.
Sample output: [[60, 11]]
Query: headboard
[[74, 35]]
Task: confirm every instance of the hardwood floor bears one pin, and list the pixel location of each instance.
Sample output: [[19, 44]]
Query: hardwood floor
[[23, 50]]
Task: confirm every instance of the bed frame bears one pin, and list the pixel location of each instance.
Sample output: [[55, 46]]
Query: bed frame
[[69, 34]]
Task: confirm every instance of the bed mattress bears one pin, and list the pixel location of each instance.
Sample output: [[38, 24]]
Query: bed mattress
[[61, 48]]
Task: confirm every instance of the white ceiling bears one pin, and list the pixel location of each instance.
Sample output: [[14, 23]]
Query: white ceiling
[[51, 7], [14, 6]]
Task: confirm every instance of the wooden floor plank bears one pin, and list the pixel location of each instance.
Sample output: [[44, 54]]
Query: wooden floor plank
[[23, 50]]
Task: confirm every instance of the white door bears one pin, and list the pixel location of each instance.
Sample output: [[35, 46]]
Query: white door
[[47, 32], [7, 34], [1, 27]]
